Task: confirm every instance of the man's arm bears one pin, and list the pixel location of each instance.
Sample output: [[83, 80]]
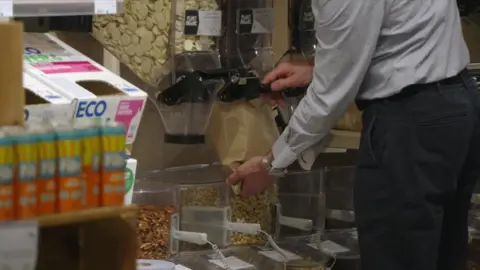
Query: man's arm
[[347, 32]]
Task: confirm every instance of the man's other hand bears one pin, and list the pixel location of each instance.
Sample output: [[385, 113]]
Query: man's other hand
[[253, 176], [289, 75]]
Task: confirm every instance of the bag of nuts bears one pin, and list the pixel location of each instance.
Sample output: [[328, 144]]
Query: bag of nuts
[[239, 131], [142, 36]]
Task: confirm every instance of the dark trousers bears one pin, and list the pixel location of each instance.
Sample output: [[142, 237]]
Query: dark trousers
[[419, 160]]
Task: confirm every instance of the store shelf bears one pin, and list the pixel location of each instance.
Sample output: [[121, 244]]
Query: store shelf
[[474, 66], [38, 8], [103, 238], [344, 139], [89, 215]]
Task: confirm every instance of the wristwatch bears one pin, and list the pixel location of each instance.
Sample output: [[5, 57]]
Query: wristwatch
[[271, 170]]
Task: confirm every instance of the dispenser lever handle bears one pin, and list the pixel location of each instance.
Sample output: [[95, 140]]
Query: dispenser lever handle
[[297, 223]]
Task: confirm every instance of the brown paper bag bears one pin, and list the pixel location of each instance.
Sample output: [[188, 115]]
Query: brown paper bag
[[351, 120], [242, 130]]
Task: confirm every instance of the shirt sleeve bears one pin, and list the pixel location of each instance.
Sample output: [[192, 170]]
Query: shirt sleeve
[[347, 32]]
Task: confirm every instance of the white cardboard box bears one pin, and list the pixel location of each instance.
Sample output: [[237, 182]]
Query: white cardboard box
[[43, 102], [94, 91]]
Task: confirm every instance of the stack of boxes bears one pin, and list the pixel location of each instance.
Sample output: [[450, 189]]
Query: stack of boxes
[[64, 84]]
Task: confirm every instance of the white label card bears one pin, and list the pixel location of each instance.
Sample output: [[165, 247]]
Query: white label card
[[233, 262], [105, 7], [18, 245], [278, 257], [210, 23], [330, 247], [6, 8], [262, 21]]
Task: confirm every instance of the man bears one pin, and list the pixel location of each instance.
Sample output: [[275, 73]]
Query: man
[[404, 62]]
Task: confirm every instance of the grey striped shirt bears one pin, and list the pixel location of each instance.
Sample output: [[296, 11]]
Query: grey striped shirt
[[370, 49]]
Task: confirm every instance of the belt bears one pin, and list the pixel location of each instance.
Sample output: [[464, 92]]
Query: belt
[[414, 89]]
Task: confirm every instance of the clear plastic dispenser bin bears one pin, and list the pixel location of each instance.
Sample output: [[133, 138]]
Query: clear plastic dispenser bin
[[473, 259], [194, 72], [247, 47], [157, 203], [202, 201], [186, 106], [339, 182], [148, 33], [302, 48], [301, 208]]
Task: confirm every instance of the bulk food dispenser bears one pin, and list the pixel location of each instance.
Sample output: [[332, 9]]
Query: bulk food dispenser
[[195, 72], [184, 216], [171, 45], [247, 48], [302, 48]]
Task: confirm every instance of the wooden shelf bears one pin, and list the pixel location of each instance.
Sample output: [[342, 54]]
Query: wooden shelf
[[93, 239], [344, 139], [88, 215]]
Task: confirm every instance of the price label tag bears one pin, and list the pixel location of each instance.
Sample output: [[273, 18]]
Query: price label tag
[[19, 244], [233, 262], [103, 7], [203, 23], [255, 21], [278, 257], [6, 8]]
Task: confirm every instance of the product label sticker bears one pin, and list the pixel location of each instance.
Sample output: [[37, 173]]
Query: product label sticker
[[6, 8], [18, 248], [129, 113], [104, 7], [233, 262], [203, 23], [330, 247], [255, 21], [279, 257]]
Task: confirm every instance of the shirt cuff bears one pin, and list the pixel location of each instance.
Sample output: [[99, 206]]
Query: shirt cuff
[[283, 155]]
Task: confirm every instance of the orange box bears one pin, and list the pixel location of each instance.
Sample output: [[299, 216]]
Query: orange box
[[26, 160], [91, 165], [6, 178], [46, 190], [113, 163], [69, 176]]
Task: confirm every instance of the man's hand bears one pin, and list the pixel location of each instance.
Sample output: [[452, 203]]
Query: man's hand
[[254, 177], [289, 75]]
